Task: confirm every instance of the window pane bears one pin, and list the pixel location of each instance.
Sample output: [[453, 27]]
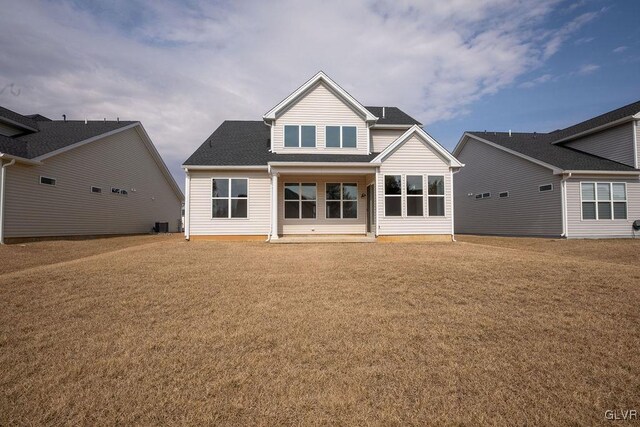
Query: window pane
[[220, 188], [604, 192], [350, 210], [308, 191], [604, 209], [309, 209], [238, 208], [436, 185], [414, 206], [619, 210], [291, 192], [393, 206], [436, 206], [414, 184], [588, 192], [292, 209], [392, 184], [333, 191], [350, 191], [238, 188], [619, 192], [308, 136], [333, 209], [588, 210], [349, 136], [333, 136], [220, 208], [291, 136]]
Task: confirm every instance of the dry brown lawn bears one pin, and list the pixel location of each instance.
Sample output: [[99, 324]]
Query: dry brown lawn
[[485, 331]]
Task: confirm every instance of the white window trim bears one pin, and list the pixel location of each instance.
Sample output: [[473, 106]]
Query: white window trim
[[229, 198], [340, 126], [299, 200], [93, 192], [444, 183], [610, 201], [55, 181], [503, 192], [342, 200], [284, 133], [385, 195], [482, 195], [425, 203], [545, 185]]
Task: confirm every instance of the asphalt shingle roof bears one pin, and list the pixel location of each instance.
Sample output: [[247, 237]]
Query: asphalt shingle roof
[[392, 116], [246, 143], [17, 118]]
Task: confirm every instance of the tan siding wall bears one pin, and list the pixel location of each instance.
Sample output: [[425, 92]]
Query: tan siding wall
[[322, 225], [601, 228], [201, 222], [525, 212], [414, 158], [382, 138], [320, 107], [121, 160], [8, 130], [614, 144]]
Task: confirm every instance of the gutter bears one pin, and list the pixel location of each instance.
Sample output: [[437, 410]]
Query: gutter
[[256, 167], [604, 172], [327, 164], [3, 179]]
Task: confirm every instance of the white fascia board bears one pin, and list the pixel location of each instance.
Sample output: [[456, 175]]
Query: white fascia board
[[417, 130], [320, 76], [587, 172], [325, 164], [19, 159], [215, 168], [595, 129], [556, 170]]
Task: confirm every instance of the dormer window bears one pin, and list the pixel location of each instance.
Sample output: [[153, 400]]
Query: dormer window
[[299, 136], [340, 137]]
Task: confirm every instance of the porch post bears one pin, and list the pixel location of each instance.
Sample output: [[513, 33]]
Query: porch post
[[274, 206]]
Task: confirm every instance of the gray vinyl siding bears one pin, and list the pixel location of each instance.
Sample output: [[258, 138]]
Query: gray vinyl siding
[[8, 130], [121, 160], [637, 141], [579, 228], [525, 212], [614, 144], [201, 222], [382, 138], [414, 158]]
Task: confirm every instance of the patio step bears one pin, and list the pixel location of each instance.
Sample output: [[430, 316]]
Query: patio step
[[325, 239]]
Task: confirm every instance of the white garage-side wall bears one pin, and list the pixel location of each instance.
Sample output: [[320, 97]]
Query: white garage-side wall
[[201, 222], [414, 158], [69, 208], [579, 228]]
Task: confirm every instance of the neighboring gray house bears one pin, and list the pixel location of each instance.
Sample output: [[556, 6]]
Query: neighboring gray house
[[320, 162], [578, 182], [70, 178]]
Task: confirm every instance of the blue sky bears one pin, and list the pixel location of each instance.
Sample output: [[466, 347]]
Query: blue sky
[[182, 67]]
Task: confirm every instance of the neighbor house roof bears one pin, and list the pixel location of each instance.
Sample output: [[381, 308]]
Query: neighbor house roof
[[246, 143], [392, 116], [17, 120]]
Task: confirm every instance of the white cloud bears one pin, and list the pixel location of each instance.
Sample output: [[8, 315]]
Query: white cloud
[[538, 80], [588, 69], [620, 49], [184, 68]]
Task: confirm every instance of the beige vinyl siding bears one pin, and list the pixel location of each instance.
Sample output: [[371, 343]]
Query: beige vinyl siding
[[414, 158], [578, 228], [321, 224], [382, 138], [614, 144], [637, 123], [320, 107], [200, 219], [525, 212], [8, 130], [121, 160]]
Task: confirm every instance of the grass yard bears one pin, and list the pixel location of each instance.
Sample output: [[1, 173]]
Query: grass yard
[[157, 331]]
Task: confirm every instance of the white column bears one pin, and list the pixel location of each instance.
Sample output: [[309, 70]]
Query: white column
[[274, 206]]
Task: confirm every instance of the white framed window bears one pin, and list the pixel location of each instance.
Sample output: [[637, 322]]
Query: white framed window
[[229, 197], [300, 200], [393, 195], [340, 136], [603, 200], [45, 180], [415, 195], [546, 187], [96, 190], [341, 200], [296, 136], [503, 195], [435, 195]]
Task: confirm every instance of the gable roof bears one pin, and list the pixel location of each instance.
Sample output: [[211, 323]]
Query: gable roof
[[426, 138], [246, 143], [392, 116], [309, 84], [539, 149]]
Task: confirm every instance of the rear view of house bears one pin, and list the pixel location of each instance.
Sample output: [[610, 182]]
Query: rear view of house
[[74, 178], [320, 162], [578, 182]]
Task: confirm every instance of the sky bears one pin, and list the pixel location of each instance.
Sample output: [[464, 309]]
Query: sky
[[183, 67]]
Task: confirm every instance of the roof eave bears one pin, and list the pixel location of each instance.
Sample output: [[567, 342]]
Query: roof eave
[[599, 172], [19, 159], [17, 124]]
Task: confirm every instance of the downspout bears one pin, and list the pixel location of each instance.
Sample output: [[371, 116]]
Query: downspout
[[187, 205], [3, 179], [270, 207], [563, 188], [453, 235], [635, 144]]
